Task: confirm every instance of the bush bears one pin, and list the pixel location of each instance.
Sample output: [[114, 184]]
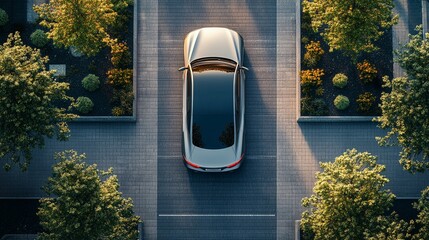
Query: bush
[[311, 80], [365, 101], [120, 55], [124, 15], [118, 111], [120, 77], [83, 104], [340, 80], [91, 82], [38, 38], [125, 98], [367, 71], [313, 107], [341, 102], [304, 40], [313, 54], [4, 18]]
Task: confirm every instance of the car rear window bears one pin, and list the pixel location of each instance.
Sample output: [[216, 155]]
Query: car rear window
[[213, 116]]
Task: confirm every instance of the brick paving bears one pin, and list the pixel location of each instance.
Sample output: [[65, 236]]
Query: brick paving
[[283, 155]]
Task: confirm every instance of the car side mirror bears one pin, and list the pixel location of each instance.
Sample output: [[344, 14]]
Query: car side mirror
[[245, 68], [182, 68]]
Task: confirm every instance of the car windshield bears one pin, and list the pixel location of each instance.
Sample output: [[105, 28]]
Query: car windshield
[[213, 119]]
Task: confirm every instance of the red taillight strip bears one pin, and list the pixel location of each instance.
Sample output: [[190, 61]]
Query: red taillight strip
[[236, 163], [190, 163]]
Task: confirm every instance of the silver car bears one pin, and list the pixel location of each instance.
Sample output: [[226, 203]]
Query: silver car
[[213, 100]]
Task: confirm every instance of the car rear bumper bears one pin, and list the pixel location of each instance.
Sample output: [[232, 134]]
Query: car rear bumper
[[206, 169]]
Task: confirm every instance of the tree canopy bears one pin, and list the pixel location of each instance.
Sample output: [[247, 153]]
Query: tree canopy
[[85, 203], [405, 107], [78, 23], [27, 95], [422, 221], [349, 200], [350, 25]]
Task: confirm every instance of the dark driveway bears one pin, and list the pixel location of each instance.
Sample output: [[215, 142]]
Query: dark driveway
[[238, 205]]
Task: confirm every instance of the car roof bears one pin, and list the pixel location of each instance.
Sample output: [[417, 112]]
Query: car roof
[[213, 106]]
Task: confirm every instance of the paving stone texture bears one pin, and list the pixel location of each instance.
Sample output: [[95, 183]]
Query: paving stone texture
[[262, 199]]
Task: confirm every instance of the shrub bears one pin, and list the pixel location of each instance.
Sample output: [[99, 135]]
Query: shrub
[[367, 71], [125, 98], [83, 104], [365, 101], [312, 77], [340, 80], [313, 53], [120, 55], [313, 107], [38, 38], [4, 18], [304, 40], [91, 82], [120, 77], [124, 15], [118, 111], [311, 80], [341, 102]]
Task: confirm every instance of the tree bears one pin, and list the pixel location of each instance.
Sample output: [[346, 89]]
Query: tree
[[350, 25], [349, 201], [422, 221], [84, 206], [78, 23], [405, 109], [27, 111]]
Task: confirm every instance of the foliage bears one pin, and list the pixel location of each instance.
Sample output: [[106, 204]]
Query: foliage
[[121, 80], [120, 77], [405, 107], [367, 71], [4, 18], [340, 80], [118, 111], [125, 98], [38, 38], [121, 7], [83, 104], [78, 23], [341, 102], [304, 40], [313, 53], [81, 205], [350, 25], [349, 200], [27, 111], [365, 101], [313, 107], [311, 80], [91, 82], [120, 54], [422, 221]]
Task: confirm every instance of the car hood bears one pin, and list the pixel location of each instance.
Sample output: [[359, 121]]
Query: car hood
[[213, 158], [213, 43]]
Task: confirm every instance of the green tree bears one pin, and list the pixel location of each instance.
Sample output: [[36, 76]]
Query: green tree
[[405, 107], [27, 110], [421, 224], [350, 25], [349, 201], [86, 203], [78, 23]]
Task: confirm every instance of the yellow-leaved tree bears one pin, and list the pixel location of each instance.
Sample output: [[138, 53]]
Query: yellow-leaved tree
[[79, 23]]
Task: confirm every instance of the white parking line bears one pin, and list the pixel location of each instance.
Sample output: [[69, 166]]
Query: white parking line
[[216, 215]]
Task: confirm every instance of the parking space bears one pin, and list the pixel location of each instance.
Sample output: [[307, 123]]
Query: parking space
[[241, 204]]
